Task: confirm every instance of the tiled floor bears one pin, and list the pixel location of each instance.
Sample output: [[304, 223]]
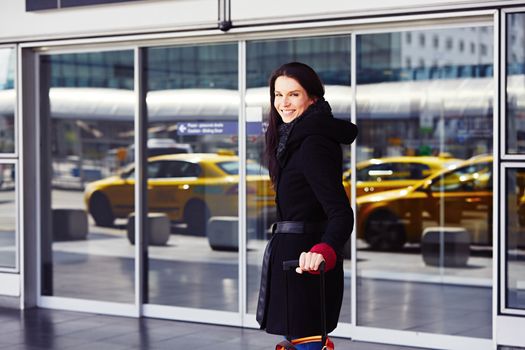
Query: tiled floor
[[394, 290], [39, 329]]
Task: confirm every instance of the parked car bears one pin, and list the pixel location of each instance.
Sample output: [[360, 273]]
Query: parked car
[[454, 197], [188, 187], [383, 174]]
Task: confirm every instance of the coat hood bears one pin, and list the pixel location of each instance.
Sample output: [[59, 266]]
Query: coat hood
[[317, 120]]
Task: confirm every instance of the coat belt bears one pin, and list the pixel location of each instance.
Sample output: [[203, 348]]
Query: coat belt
[[298, 227]]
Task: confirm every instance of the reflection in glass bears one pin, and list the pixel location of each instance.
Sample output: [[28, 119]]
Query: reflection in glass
[[193, 167], [330, 57], [7, 216], [515, 238], [424, 180], [515, 79], [7, 100], [87, 126]]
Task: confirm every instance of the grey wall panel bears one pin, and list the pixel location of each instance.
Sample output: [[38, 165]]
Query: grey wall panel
[[120, 18]]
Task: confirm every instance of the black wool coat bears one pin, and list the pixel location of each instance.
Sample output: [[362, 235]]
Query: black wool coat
[[309, 189]]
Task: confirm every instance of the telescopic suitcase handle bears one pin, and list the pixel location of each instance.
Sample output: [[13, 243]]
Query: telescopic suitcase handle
[[292, 264]]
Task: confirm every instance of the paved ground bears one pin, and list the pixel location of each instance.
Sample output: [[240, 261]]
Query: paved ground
[[394, 290], [39, 329]]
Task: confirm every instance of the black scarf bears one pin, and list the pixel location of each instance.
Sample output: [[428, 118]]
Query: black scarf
[[284, 132]]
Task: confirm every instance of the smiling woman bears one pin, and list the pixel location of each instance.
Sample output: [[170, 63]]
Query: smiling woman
[[303, 150], [291, 99]]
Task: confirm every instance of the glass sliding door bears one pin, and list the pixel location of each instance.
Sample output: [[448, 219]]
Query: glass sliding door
[[193, 176], [424, 180], [8, 162], [515, 238], [86, 125], [330, 57], [514, 259]]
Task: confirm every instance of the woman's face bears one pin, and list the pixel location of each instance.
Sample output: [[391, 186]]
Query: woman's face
[[291, 99]]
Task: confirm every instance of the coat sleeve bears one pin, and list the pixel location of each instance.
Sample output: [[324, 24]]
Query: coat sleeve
[[322, 168]]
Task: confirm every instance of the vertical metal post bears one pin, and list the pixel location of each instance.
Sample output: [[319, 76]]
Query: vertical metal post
[[45, 235], [498, 241], [26, 175], [141, 224], [442, 194], [353, 188], [242, 180]]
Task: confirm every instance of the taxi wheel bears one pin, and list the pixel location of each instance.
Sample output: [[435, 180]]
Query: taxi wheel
[[100, 210], [196, 215], [384, 231]]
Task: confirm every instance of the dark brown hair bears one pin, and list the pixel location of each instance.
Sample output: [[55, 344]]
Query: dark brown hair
[[313, 86]]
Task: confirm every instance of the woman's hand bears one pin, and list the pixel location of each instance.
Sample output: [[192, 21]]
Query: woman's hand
[[309, 262]]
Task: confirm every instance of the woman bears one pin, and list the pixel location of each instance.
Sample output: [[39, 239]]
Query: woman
[[315, 218]]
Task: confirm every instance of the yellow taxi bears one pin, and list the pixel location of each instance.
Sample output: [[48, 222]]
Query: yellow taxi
[[459, 197], [383, 174], [188, 187]]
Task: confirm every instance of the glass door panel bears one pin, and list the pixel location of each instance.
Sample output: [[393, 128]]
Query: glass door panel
[[330, 57], [192, 169], [515, 239], [8, 216], [8, 190], [7, 100], [515, 83], [87, 113], [424, 180], [513, 258]]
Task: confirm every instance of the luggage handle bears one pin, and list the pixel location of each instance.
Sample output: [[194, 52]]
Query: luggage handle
[[292, 264]]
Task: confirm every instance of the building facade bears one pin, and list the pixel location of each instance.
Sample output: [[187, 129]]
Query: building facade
[[132, 181]]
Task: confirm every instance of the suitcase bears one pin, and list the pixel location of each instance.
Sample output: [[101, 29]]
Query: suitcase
[[289, 344]]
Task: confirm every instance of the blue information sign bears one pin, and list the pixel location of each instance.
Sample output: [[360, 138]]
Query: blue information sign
[[217, 128]]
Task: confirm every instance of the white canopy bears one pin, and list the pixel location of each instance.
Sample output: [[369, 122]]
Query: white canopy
[[390, 100]]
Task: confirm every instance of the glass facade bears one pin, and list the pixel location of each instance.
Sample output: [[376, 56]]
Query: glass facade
[[87, 111], [424, 181], [423, 175], [8, 185]]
